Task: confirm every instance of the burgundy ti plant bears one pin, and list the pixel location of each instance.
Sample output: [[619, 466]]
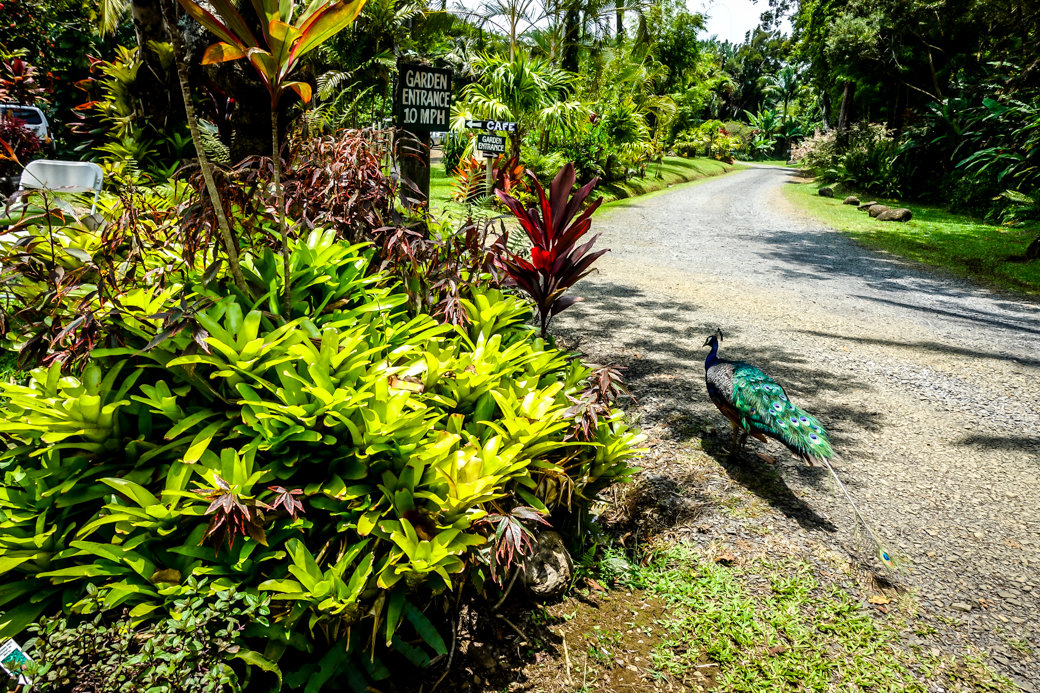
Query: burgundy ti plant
[[554, 227]]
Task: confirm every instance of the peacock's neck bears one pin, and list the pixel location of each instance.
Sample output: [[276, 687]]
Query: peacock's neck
[[713, 356]]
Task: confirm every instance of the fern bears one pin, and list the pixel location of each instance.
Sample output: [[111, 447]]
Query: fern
[[216, 150]]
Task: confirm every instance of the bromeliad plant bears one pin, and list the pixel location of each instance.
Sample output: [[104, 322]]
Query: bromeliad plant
[[554, 227], [338, 459]]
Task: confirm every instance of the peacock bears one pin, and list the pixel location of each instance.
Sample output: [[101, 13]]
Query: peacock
[[757, 406]]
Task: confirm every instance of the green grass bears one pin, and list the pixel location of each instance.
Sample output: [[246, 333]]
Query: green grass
[[957, 243], [774, 626], [440, 189], [673, 171]]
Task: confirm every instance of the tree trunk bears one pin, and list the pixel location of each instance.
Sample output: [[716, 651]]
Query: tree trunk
[[844, 116], [825, 111], [571, 21], [207, 172], [619, 17], [515, 140], [279, 200]]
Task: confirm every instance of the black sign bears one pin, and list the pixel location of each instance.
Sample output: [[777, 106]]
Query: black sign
[[491, 145], [492, 125], [423, 102]]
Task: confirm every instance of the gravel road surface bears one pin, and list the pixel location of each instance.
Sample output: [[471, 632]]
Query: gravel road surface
[[929, 386]]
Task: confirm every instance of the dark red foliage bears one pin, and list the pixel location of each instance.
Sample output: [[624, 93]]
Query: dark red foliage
[[233, 516], [240, 197], [287, 500], [338, 181], [554, 228], [436, 271], [18, 146], [602, 388], [512, 540], [18, 83], [508, 175]]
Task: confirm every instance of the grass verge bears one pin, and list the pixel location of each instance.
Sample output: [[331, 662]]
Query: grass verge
[[672, 171], [957, 243], [771, 626], [771, 162]]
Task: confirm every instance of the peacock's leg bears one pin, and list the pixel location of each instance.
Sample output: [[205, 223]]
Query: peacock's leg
[[743, 439], [736, 433]]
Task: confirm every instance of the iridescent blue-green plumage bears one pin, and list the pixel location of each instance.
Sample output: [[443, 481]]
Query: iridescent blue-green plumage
[[757, 406], [765, 408]]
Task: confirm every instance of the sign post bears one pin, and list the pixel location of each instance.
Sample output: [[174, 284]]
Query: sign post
[[491, 146], [422, 104]]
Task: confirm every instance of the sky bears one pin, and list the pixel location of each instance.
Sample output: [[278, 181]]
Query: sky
[[729, 19]]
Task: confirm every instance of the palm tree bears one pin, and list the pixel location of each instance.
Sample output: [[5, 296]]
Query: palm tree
[[513, 18], [529, 91], [783, 86]]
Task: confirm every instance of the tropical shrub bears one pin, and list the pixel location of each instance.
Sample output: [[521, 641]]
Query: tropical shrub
[[587, 152], [455, 146], [111, 126], [1003, 138], [61, 289], [549, 164], [869, 160], [336, 459], [557, 261], [710, 138], [189, 652]]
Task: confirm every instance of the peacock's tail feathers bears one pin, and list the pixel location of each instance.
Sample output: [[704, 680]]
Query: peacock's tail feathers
[[765, 407], [869, 535]]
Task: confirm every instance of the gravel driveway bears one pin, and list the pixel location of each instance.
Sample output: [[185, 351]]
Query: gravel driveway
[[929, 386]]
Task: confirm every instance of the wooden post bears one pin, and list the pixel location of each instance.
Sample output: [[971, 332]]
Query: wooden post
[[413, 151]]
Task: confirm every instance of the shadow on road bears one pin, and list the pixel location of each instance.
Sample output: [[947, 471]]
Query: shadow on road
[[663, 367], [919, 345]]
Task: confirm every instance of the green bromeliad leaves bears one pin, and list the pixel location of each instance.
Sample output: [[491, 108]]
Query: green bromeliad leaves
[[395, 433]]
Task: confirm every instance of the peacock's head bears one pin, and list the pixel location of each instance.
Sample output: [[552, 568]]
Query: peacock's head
[[713, 340]]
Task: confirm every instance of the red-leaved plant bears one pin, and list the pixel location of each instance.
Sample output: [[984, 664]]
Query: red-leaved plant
[[512, 540], [554, 227]]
